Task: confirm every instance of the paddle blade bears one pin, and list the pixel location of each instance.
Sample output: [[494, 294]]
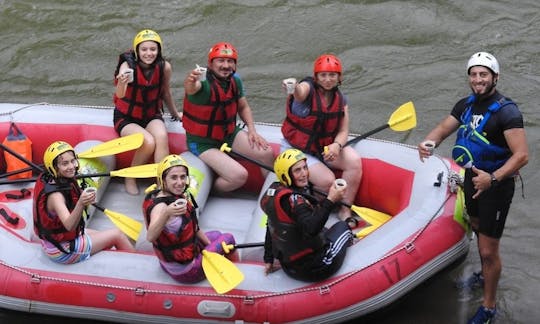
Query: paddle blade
[[372, 216], [115, 146], [139, 171], [222, 274], [126, 224], [403, 118]]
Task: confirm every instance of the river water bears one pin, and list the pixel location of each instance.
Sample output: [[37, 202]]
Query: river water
[[392, 52]]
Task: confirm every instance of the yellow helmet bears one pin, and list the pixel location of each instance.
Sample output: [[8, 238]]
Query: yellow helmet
[[168, 162], [52, 152], [147, 35], [284, 162]]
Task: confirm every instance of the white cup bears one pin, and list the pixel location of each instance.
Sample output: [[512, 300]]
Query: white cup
[[129, 73], [429, 145], [340, 183], [290, 83], [90, 189], [180, 202], [202, 70]]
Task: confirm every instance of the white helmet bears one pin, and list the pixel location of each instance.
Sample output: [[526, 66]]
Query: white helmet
[[483, 59]]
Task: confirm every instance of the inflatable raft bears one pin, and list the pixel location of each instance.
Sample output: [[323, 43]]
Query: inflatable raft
[[427, 232]]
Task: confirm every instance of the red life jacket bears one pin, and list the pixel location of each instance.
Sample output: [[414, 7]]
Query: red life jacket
[[319, 128], [142, 99], [48, 226], [180, 246], [217, 119], [288, 242]]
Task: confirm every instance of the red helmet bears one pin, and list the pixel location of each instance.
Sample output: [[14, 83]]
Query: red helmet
[[327, 63], [222, 49]]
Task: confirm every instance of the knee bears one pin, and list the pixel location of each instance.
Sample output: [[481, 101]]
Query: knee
[[149, 143]]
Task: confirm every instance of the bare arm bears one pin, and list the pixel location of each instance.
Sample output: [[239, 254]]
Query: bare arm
[[167, 93], [122, 81], [56, 203], [192, 85], [446, 127], [517, 142], [159, 216], [244, 111]]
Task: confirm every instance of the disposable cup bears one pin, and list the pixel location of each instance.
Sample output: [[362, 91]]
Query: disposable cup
[[90, 189], [429, 145], [291, 85], [129, 73], [340, 183], [180, 202], [202, 70]]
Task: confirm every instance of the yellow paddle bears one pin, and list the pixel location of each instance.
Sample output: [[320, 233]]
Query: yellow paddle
[[374, 217], [138, 171], [222, 274], [129, 226], [114, 146], [402, 119]]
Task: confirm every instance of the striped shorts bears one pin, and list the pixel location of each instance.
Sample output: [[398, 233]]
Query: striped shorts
[[81, 250]]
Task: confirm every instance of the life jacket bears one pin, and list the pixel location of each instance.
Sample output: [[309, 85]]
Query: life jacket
[[143, 98], [472, 147], [180, 246], [217, 119], [48, 226], [319, 128], [288, 242]]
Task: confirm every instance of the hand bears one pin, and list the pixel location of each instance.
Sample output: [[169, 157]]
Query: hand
[[331, 152], [481, 182], [256, 140], [87, 197], [336, 193], [425, 151], [194, 75], [175, 209], [270, 267]]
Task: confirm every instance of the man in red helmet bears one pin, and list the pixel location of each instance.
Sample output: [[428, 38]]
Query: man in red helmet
[[210, 109], [317, 123]]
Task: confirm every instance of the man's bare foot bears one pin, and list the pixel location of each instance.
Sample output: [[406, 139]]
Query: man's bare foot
[[131, 186]]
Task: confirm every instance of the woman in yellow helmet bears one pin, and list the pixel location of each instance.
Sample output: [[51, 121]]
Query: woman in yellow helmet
[[142, 80], [59, 205], [295, 233], [172, 225]]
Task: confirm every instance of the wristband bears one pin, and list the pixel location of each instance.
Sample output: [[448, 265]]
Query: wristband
[[340, 146]]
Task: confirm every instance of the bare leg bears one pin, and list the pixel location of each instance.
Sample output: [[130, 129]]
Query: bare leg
[[491, 267], [231, 175], [109, 238], [242, 146]]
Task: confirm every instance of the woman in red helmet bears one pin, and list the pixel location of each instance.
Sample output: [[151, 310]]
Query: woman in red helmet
[[209, 118], [317, 123], [142, 80]]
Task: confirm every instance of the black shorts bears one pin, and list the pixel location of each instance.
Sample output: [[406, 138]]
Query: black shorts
[[120, 120], [491, 207]]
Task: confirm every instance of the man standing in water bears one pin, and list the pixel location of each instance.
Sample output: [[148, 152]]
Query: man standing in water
[[492, 147]]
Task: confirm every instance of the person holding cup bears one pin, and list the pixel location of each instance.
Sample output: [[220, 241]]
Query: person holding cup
[[317, 123], [142, 84], [172, 226], [295, 232], [211, 105], [59, 206]]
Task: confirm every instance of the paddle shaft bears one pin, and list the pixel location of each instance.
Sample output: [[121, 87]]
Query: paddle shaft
[[366, 135]]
